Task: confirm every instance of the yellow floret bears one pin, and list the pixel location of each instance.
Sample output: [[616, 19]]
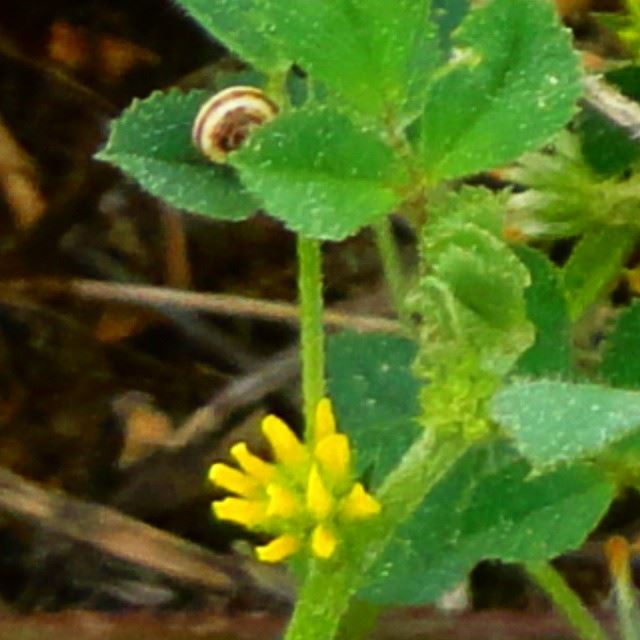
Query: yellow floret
[[359, 504], [282, 502], [287, 449], [248, 513], [323, 542], [325, 420], [278, 549], [233, 480], [251, 464], [303, 498], [319, 500], [334, 455]]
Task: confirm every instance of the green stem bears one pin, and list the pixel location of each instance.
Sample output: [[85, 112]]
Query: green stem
[[566, 600], [329, 585], [311, 330], [391, 265]]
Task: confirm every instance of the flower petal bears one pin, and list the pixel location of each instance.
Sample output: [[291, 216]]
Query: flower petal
[[278, 549], [282, 502], [334, 455], [248, 513], [325, 420], [359, 504], [323, 542], [287, 449], [319, 501], [251, 464], [233, 480]]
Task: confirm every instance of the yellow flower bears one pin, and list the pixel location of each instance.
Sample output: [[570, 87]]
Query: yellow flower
[[304, 499]]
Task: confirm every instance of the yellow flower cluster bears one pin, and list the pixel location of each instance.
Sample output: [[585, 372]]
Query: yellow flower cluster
[[303, 498]]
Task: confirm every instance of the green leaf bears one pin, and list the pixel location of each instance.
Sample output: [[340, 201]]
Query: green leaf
[[512, 84], [608, 148], [489, 506], [621, 360], [376, 55], [621, 461], [550, 354], [556, 422], [320, 174], [375, 397], [594, 265], [151, 141], [244, 26], [471, 299], [447, 15]]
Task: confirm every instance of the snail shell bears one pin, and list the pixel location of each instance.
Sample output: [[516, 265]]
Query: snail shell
[[227, 118]]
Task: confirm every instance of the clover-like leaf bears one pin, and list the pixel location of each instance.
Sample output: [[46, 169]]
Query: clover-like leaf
[[550, 354], [376, 397], [376, 55], [558, 422], [594, 266], [621, 360], [319, 173], [151, 141], [489, 506], [244, 26], [512, 83]]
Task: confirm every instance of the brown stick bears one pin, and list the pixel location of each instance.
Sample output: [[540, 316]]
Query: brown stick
[[122, 536], [218, 303]]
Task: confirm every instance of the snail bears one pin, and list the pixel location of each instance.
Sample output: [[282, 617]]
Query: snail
[[227, 118]]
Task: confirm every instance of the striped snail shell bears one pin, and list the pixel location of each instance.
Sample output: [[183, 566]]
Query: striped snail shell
[[227, 119]]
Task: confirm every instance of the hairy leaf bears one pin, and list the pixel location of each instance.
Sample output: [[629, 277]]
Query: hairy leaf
[[319, 173], [151, 141], [512, 83]]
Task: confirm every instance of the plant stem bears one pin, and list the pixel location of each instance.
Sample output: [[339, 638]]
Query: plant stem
[[311, 329], [391, 265], [566, 600], [324, 596], [618, 555]]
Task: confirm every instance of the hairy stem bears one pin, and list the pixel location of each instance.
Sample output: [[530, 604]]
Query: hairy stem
[[391, 265], [311, 330]]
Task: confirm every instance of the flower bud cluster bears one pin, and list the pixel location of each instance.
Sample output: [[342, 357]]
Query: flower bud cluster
[[304, 498]]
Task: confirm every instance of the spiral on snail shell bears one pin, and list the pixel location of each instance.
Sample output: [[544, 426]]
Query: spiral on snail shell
[[227, 118]]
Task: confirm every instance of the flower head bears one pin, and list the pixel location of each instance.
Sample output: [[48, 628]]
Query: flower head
[[304, 498]]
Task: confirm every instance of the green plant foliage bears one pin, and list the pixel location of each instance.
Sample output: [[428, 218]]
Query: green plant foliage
[[595, 265], [465, 254], [447, 15], [151, 141], [607, 147], [320, 174], [375, 396], [512, 83], [621, 360], [621, 367], [550, 354], [488, 506], [376, 56], [566, 197], [558, 422], [244, 26]]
